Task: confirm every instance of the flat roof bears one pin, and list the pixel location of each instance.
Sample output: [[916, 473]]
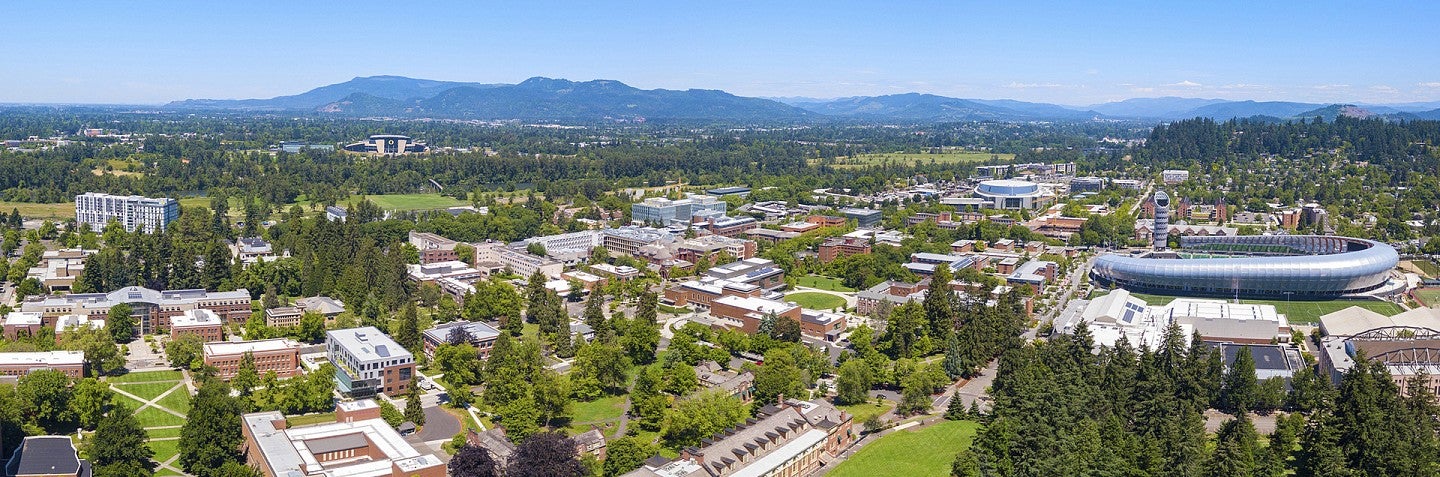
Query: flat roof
[[367, 344], [196, 317], [220, 348], [21, 318], [477, 331], [42, 358]]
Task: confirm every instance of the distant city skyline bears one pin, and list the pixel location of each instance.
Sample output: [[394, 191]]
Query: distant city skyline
[[1073, 54]]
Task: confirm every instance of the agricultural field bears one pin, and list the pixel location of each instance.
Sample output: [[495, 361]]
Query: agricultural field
[[953, 157], [816, 300], [928, 451]]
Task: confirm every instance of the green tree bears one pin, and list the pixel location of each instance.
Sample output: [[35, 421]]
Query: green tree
[[118, 446], [120, 324], [185, 352], [626, 454], [701, 416], [101, 353], [853, 383], [780, 375], [460, 363], [47, 397], [246, 376], [391, 414], [954, 362], [1241, 388], [91, 400], [312, 327], [642, 332], [413, 412], [681, 379], [211, 435], [407, 331]]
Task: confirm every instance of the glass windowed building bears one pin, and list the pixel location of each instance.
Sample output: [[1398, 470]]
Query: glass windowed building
[[132, 212]]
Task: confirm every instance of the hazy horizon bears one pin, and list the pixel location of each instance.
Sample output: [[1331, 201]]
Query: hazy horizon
[[148, 53]]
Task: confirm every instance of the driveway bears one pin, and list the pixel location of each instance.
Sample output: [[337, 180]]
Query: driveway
[[439, 426]]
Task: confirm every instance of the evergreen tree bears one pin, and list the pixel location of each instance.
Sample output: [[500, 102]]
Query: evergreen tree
[[939, 303], [1236, 449], [407, 332], [954, 358], [642, 333], [413, 412], [1241, 388], [211, 435]]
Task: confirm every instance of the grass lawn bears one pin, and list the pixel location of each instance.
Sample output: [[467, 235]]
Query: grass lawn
[[153, 417], [816, 300], [308, 419], [147, 390], [164, 450], [412, 201], [598, 411], [674, 310], [178, 401], [823, 283], [1431, 296], [864, 411], [62, 210], [953, 157], [1298, 311], [147, 377], [926, 452], [163, 433]]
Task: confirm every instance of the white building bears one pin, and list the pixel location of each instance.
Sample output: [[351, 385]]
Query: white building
[[133, 212], [1119, 314], [368, 362], [1175, 176]]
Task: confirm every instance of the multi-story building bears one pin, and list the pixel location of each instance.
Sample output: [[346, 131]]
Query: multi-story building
[[662, 211], [72, 363], [368, 362], [1086, 184], [730, 226], [19, 323], [46, 456], [710, 246], [836, 247], [434, 271], [629, 240], [434, 248], [746, 313], [569, 244], [153, 309], [770, 236], [1035, 273], [706, 290], [199, 322], [621, 272], [877, 300], [790, 438], [822, 324], [480, 335], [359, 443], [279, 355], [517, 260], [864, 218], [59, 268], [133, 212], [825, 220], [283, 317], [1175, 176], [755, 271]]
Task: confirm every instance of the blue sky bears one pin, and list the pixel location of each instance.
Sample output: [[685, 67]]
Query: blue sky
[[1069, 53]]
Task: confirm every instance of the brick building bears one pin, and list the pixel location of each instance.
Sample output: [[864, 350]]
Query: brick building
[[279, 355]]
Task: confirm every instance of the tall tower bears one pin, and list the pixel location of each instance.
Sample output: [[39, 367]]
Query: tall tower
[[1162, 219]]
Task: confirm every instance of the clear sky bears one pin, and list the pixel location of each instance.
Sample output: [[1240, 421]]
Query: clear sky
[[1077, 53]]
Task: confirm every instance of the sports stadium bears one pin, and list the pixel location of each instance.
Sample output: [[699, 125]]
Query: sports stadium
[[1259, 266]]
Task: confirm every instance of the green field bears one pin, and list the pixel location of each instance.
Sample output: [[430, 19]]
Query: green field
[[148, 390], [864, 411], [1298, 311], [597, 411], [1430, 296], [1429, 267], [864, 160], [163, 433], [411, 201], [816, 300], [926, 452], [164, 450], [822, 283], [154, 417], [147, 377], [178, 400], [63, 210], [308, 419]]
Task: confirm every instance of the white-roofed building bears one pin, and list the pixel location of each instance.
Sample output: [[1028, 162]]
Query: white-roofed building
[[368, 362], [1116, 315], [358, 444]]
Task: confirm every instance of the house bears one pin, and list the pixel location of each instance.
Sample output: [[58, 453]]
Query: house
[[494, 441], [590, 442], [46, 456]]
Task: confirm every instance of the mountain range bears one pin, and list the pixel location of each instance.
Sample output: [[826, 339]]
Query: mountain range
[[547, 99]]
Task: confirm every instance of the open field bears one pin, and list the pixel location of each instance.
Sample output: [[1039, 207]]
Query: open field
[[412, 201], [926, 452], [178, 401], [822, 283], [864, 160], [1298, 311], [164, 450], [1429, 296], [816, 300], [1429, 267], [603, 409], [63, 210]]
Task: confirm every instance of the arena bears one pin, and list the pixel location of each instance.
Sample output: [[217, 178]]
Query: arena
[[1261, 266]]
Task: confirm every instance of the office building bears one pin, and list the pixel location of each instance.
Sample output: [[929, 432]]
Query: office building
[[864, 218], [58, 269], [755, 271], [279, 355], [1175, 176], [358, 444], [199, 322], [621, 272], [132, 212], [368, 362], [730, 226], [517, 260], [153, 309], [72, 363], [710, 247], [1086, 184], [836, 247], [662, 211], [629, 240], [433, 248], [480, 335], [724, 191], [746, 313]]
